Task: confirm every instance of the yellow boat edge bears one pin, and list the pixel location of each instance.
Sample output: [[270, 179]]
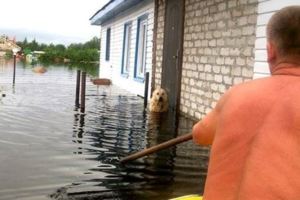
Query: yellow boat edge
[[189, 197]]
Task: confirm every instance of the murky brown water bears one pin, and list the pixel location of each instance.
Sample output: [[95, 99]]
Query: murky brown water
[[48, 150]]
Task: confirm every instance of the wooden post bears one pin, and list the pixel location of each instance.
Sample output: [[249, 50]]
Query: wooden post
[[146, 89], [14, 75], [83, 82], [77, 88]]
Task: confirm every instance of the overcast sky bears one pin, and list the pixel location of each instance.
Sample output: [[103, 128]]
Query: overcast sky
[[50, 21]]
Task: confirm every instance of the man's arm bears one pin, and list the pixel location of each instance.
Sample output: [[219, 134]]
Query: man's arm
[[204, 131]]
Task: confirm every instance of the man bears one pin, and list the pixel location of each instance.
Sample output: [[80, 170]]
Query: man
[[255, 128]]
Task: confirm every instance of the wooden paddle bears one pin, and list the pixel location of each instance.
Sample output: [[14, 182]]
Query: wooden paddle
[[158, 147]]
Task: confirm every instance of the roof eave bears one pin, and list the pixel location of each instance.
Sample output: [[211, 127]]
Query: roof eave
[[97, 18], [110, 10]]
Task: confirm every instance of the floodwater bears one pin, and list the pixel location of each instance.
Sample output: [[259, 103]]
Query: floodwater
[[48, 150]]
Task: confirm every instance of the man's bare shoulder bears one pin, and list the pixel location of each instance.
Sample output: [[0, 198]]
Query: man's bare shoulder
[[258, 90], [253, 84]]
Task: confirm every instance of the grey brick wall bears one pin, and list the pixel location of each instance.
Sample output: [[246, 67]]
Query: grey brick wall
[[218, 52], [159, 43]]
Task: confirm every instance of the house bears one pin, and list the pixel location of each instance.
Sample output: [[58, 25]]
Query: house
[[203, 47], [200, 48], [7, 44], [126, 42], [213, 50], [265, 10]]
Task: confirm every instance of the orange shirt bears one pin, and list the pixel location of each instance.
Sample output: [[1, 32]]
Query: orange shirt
[[255, 136]]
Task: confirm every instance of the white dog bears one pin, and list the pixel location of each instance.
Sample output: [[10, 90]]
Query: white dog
[[159, 101]]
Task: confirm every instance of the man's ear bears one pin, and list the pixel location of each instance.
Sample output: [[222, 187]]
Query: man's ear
[[271, 52]]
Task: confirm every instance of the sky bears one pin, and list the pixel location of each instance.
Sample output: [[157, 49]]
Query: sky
[[50, 21]]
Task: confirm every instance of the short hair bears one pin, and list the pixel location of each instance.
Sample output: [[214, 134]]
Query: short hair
[[284, 30]]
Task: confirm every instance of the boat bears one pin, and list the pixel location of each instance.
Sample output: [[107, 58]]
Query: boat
[[189, 197], [101, 81], [39, 69]]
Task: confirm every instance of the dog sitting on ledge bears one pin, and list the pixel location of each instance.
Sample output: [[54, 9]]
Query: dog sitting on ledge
[[159, 101]]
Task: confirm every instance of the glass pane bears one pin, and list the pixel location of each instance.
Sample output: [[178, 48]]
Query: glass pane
[[125, 49], [107, 44], [127, 46], [144, 49], [127, 63], [141, 49]]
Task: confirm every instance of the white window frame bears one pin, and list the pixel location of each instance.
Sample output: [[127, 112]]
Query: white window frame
[[126, 48], [141, 48]]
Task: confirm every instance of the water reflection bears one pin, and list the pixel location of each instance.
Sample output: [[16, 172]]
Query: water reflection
[[76, 156], [123, 128]]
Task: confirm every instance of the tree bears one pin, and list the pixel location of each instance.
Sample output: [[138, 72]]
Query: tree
[[94, 43], [76, 52]]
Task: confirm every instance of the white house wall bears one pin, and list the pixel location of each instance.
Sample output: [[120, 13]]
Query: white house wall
[[266, 9], [112, 69]]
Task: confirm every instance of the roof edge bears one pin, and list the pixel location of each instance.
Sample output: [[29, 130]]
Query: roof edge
[[114, 8], [104, 10]]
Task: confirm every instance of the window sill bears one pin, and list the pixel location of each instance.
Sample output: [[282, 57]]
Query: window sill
[[139, 79], [125, 75]]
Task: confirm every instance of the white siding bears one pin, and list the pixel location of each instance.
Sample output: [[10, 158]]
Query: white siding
[[266, 9], [112, 69]]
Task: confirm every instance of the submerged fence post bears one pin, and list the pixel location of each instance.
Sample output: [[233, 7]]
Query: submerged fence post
[[77, 88], [15, 51], [146, 89], [14, 75], [83, 82]]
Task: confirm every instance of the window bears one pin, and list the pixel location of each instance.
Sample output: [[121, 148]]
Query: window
[[126, 48], [107, 55], [141, 47]]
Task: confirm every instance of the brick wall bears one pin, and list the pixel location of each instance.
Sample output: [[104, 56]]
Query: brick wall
[[218, 52], [159, 42]]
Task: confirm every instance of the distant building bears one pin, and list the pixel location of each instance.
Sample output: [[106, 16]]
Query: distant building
[[7, 44], [33, 57]]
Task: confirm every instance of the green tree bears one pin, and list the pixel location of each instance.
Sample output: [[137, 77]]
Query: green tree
[[33, 45], [94, 43], [76, 52]]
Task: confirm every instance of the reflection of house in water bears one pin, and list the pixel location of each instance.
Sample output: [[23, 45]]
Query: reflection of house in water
[[7, 45], [116, 126]]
